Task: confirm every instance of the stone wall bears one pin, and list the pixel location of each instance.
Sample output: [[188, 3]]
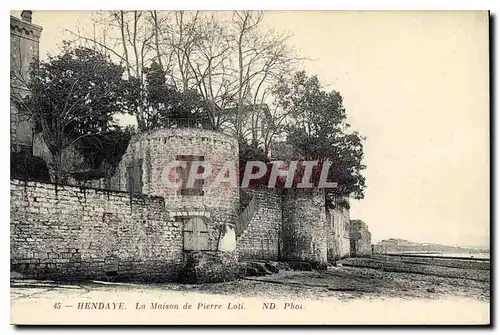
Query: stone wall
[[261, 239], [338, 233], [304, 231], [68, 232], [153, 150], [361, 239]]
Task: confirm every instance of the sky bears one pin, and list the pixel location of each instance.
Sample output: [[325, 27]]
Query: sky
[[416, 85]]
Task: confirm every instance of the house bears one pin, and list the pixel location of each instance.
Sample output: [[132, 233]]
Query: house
[[24, 48]]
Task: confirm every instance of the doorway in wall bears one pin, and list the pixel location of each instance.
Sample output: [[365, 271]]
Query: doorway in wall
[[195, 234]]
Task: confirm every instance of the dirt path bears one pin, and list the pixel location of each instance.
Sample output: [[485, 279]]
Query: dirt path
[[363, 278], [418, 266], [382, 290]]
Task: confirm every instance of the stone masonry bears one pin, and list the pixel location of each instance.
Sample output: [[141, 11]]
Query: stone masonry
[[304, 227], [361, 239], [135, 228], [72, 232], [337, 233], [153, 150], [261, 239]]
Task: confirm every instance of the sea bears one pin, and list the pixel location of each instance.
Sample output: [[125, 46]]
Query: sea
[[454, 255]]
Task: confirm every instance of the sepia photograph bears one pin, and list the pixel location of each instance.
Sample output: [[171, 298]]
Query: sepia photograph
[[182, 167]]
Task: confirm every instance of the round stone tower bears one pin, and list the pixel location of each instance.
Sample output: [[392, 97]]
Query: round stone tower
[[304, 232], [157, 163]]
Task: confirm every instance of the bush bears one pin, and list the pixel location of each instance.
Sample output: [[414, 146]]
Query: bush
[[25, 166]]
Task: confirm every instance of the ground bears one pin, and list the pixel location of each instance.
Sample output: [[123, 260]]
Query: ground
[[376, 279]]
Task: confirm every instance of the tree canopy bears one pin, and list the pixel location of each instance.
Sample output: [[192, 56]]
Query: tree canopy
[[72, 96], [318, 128], [161, 102], [230, 59], [178, 66]]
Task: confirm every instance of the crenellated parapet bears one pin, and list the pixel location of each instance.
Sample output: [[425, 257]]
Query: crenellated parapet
[[25, 29]]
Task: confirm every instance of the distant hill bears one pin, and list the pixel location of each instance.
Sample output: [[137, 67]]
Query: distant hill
[[397, 245]]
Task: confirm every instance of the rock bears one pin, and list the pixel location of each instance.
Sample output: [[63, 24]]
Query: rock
[[283, 266], [272, 266], [210, 267], [257, 269], [16, 275], [252, 272], [300, 266], [319, 266]]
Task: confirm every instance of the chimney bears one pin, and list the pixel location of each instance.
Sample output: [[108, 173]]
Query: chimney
[[26, 15]]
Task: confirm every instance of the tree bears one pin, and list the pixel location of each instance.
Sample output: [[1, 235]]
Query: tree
[[103, 152], [317, 126], [229, 59], [73, 95], [126, 37], [165, 105], [264, 57]]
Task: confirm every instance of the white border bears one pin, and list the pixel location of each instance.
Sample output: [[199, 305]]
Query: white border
[[493, 5]]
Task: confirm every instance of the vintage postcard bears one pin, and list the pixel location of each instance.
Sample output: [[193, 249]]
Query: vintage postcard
[[249, 167]]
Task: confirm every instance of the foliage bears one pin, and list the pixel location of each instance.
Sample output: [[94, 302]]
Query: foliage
[[73, 95], [317, 127], [162, 103], [230, 59], [249, 153], [106, 147], [25, 166]]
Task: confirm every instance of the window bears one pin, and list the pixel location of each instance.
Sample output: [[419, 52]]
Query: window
[[197, 188], [134, 177], [195, 234]]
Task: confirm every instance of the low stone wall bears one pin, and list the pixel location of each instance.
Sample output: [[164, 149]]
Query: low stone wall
[[261, 238], [67, 232]]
